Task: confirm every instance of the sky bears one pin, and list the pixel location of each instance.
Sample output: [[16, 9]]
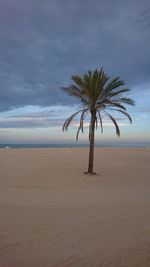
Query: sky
[[44, 42]]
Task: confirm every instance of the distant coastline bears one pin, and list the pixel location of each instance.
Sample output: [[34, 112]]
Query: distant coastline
[[19, 146]]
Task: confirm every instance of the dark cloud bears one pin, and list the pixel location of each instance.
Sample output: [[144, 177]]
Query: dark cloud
[[44, 42]]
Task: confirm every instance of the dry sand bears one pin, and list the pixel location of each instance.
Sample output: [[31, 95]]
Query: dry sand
[[51, 214]]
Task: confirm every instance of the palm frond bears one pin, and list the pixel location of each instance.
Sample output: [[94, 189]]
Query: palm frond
[[110, 103], [96, 122], [113, 84], [126, 100], [75, 91], [101, 122], [124, 113], [112, 94], [78, 80], [98, 92], [81, 124], [69, 120], [114, 122]]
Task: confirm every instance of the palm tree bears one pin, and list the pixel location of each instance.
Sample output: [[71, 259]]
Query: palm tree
[[98, 94]]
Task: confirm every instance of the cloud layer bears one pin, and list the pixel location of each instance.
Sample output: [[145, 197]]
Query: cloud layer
[[44, 42]]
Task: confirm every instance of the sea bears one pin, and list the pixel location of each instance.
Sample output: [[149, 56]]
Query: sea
[[21, 146]]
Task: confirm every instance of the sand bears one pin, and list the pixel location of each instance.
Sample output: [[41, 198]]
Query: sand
[[51, 214]]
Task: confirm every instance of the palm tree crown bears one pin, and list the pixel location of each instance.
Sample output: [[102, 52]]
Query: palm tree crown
[[99, 95]]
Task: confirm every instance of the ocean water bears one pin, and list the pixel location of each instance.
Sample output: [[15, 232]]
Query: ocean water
[[7, 146]]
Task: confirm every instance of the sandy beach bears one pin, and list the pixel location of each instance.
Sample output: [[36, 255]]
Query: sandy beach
[[53, 215]]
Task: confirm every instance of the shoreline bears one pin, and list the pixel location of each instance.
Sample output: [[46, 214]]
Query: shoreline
[[20, 146]]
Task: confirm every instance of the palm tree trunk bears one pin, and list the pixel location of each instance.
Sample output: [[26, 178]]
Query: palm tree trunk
[[91, 149]]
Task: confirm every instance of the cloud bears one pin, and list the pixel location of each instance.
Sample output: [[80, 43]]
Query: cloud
[[44, 42], [51, 117]]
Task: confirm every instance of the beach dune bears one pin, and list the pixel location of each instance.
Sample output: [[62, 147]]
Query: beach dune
[[53, 215]]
